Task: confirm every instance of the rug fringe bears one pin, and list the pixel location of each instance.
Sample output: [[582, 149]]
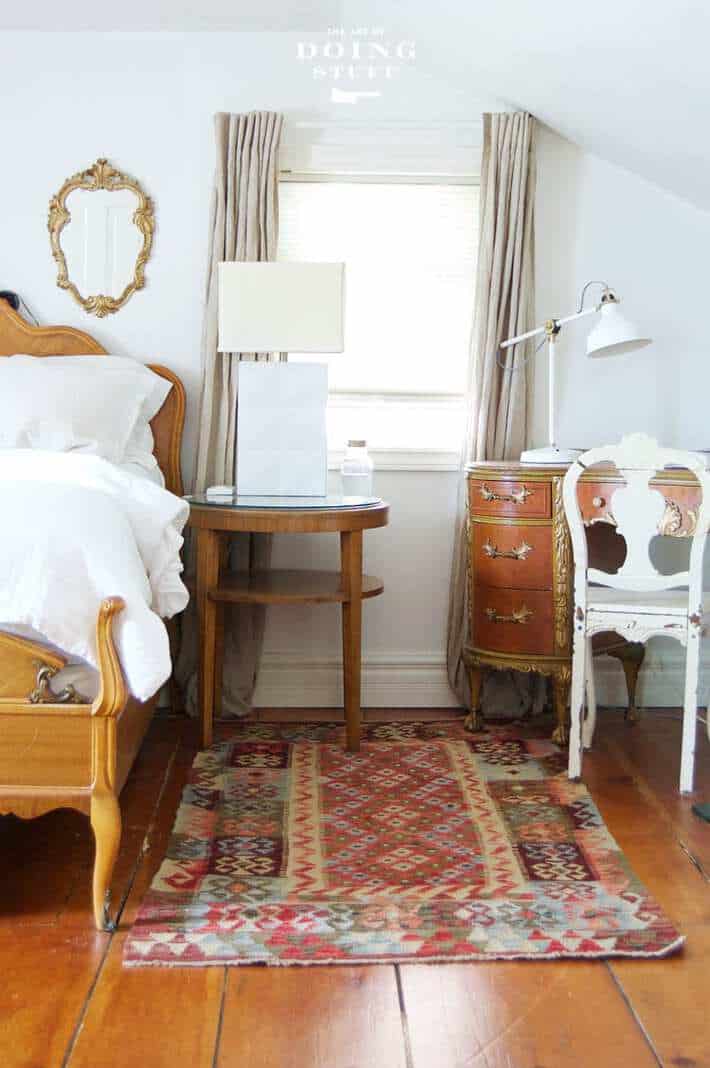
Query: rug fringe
[[465, 958]]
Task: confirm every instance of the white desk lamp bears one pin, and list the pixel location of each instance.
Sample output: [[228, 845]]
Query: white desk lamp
[[281, 447], [611, 336]]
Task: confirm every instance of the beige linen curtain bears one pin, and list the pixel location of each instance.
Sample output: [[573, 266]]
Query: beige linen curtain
[[243, 226], [503, 307]]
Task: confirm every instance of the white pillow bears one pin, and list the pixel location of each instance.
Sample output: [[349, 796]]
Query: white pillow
[[140, 445], [99, 404]]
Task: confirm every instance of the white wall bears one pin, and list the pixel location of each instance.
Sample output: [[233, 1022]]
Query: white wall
[[596, 220], [146, 102]]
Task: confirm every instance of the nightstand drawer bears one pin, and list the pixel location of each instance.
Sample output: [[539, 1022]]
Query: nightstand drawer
[[515, 556], [595, 500], [513, 621], [517, 499]]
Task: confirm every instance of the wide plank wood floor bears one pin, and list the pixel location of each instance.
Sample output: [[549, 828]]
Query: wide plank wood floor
[[66, 1001]]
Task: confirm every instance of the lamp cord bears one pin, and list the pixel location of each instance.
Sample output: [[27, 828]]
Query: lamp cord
[[505, 366], [32, 316], [583, 294]]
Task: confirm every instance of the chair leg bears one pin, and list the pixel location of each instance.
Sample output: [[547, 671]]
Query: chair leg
[[590, 720], [574, 766], [690, 710]]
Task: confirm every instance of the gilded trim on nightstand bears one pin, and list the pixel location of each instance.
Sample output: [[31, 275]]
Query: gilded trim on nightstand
[[561, 572]]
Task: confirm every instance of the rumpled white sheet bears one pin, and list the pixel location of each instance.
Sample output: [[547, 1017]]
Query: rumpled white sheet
[[75, 529]]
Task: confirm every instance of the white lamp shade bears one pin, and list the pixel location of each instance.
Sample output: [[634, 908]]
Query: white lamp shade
[[281, 307], [614, 333]]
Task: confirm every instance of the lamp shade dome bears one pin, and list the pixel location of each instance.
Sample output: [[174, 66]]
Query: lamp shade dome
[[614, 334]]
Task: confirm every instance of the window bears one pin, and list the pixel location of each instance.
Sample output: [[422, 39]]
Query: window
[[410, 253]]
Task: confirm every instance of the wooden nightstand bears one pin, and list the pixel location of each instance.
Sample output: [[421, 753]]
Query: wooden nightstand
[[347, 517], [520, 570]]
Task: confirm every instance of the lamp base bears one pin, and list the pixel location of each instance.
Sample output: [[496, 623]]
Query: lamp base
[[550, 456]]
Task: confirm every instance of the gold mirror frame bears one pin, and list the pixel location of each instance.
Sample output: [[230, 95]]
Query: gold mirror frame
[[101, 176]]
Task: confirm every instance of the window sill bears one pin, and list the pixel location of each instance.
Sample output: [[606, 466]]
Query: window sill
[[404, 459]]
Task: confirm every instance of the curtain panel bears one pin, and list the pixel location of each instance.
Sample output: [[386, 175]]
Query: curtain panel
[[503, 307], [243, 225]]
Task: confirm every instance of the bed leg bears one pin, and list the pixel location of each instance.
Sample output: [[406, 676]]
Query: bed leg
[[106, 824], [105, 813]]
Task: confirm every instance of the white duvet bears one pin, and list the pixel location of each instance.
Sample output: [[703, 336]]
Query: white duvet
[[75, 529]]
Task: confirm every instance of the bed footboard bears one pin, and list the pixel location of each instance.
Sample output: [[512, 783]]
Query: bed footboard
[[58, 750]]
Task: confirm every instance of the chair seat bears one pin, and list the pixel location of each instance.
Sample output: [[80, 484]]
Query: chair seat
[[657, 602]]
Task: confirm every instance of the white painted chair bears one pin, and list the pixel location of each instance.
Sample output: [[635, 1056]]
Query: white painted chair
[[636, 602]]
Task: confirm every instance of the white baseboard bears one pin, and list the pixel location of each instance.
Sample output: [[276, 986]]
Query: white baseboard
[[419, 680], [396, 680]]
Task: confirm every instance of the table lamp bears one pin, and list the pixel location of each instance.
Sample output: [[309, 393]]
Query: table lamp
[[612, 335], [281, 447]]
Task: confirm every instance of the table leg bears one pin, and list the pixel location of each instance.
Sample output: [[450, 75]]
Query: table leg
[[351, 577], [207, 578], [219, 634], [218, 660]]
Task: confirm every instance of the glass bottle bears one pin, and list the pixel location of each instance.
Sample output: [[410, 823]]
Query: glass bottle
[[356, 470]]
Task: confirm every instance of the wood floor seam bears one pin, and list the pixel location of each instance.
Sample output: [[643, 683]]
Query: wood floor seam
[[71, 1046], [632, 1012], [220, 1020], [405, 1022], [649, 795], [152, 825], [694, 860]]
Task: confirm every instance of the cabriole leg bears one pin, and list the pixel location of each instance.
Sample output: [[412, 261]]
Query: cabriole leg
[[631, 658], [560, 693], [474, 719], [105, 818]]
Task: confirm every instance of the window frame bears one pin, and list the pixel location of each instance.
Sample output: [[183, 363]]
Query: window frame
[[393, 458]]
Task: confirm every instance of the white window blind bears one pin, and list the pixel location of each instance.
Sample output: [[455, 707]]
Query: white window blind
[[410, 254]]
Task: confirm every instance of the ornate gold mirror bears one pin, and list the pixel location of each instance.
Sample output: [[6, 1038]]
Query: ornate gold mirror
[[101, 230]]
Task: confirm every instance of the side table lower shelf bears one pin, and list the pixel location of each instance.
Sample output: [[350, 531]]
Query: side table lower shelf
[[289, 587]]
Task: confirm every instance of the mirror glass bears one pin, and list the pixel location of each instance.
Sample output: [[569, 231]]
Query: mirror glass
[[101, 243]]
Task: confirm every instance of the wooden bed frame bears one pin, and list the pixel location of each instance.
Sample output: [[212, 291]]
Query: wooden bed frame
[[55, 752]]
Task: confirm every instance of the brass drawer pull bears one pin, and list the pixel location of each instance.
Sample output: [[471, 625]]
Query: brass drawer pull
[[521, 553], [519, 615], [518, 497]]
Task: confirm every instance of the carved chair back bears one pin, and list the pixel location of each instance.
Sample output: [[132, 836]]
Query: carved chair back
[[637, 509]]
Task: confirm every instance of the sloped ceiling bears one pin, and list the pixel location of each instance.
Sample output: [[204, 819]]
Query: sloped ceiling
[[628, 80]]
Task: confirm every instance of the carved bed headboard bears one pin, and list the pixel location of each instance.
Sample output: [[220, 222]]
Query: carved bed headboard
[[17, 335]]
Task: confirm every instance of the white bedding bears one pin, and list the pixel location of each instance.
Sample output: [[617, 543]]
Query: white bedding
[[77, 529]]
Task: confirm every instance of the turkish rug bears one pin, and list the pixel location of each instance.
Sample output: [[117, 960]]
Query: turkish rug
[[430, 844]]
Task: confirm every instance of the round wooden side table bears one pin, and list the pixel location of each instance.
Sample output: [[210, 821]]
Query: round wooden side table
[[215, 519]]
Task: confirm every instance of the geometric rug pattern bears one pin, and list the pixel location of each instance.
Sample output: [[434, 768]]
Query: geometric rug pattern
[[430, 844]]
